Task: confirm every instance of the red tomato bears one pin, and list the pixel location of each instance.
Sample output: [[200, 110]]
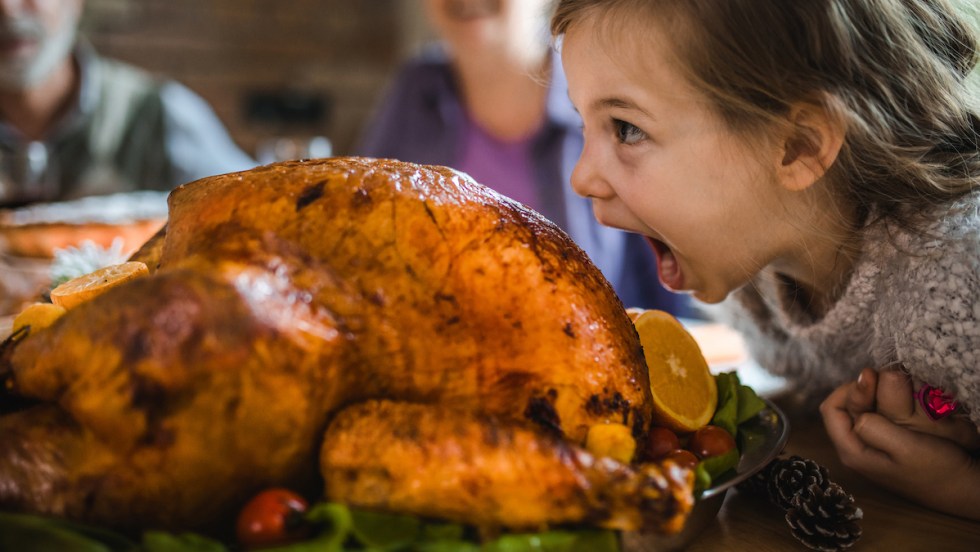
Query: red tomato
[[661, 441], [681, 457], [274, 516], [710, 441]]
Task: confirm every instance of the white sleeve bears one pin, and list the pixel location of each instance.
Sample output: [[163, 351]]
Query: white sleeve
[[197, 142]]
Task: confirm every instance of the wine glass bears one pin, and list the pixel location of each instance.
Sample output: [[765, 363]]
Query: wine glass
[[27, 175]]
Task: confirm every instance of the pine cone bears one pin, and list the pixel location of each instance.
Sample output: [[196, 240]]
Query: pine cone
[[824, 518], [790, 476]]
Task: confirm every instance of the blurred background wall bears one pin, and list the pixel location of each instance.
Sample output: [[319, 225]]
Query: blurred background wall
[[320, 64], [268, 67]]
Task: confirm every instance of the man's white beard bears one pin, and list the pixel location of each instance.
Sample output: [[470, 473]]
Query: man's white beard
[[23, 74]]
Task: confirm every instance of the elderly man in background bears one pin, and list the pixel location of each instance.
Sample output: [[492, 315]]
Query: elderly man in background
[[73, 124], [76, 126]]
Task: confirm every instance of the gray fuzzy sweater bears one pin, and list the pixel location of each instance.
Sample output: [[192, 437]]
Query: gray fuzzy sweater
[[912, 302]]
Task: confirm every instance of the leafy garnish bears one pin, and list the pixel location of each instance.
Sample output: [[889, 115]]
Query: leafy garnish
[[726, 413], [749, 404], [74, 261], [702, 479], [737, 404], [718, 465], [385, 531], [29, 532], [160, 541], [337, 529]]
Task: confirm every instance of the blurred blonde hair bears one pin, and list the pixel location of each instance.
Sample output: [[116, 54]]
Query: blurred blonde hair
[[894, 72]]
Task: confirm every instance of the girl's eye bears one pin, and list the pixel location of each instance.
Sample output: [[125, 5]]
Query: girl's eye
[[627, 133]]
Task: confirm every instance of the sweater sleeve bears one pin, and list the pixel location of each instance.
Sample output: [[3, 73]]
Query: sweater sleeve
[[930, 306]]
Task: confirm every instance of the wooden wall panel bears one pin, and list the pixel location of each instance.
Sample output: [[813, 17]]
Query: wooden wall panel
[[226, 49]]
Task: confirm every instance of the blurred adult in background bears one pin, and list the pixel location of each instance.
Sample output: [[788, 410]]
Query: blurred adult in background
[[74, 124], [490, 100]]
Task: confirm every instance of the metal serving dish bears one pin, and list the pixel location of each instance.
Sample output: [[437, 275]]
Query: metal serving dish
[[771, 429]]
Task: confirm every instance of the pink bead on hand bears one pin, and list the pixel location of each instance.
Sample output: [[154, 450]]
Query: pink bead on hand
[[935, 402]]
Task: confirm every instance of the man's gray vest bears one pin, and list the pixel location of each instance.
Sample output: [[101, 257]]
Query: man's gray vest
[[119, 145]]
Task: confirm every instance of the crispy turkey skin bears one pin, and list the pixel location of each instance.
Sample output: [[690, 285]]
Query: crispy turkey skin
[[370, 329]]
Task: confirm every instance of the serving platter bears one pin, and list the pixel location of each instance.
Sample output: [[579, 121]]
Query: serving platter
[[764, 437]]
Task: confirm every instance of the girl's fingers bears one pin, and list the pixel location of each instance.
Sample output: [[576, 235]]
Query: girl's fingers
[[861, 397], [880, 433], [895, 397], [839, 423], [896, 401], [957, 429], [970, 435], [930, 469]]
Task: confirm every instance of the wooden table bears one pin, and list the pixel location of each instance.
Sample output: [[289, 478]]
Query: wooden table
[[891, 523]]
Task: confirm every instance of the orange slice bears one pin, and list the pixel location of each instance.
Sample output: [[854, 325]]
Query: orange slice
[[38, 316], [74, 292], [684, 391], [635, 312]]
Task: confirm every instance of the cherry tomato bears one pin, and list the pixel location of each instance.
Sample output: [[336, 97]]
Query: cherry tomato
[[710, 441], [683, 458], [660, 441], [272, 517]]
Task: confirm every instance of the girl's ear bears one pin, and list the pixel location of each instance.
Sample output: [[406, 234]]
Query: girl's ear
[[810, 148]]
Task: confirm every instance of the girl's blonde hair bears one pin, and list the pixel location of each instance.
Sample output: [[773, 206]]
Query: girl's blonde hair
[[895, 72]]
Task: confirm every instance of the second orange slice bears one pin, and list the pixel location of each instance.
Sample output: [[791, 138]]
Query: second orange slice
[[83, 288], [684, 391]]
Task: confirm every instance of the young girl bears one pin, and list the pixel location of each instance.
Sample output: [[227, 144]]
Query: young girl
[[814, 166]]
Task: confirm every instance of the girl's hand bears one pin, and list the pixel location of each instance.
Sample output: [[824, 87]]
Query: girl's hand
[[890, 393], [930, 469], [895, 398], [862, 395]]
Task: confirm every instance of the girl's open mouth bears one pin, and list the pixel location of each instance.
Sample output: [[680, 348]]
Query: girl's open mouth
[[668, 268]]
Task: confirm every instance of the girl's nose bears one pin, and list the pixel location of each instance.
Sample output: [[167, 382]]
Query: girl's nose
[[587, 180]]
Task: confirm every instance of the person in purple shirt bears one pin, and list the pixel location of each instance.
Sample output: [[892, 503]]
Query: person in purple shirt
[[490, 100]]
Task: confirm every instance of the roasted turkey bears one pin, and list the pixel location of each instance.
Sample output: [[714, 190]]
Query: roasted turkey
[[389, 335]]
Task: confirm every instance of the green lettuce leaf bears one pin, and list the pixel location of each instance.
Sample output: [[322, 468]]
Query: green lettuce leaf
[[726, 413], [749, 404]]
